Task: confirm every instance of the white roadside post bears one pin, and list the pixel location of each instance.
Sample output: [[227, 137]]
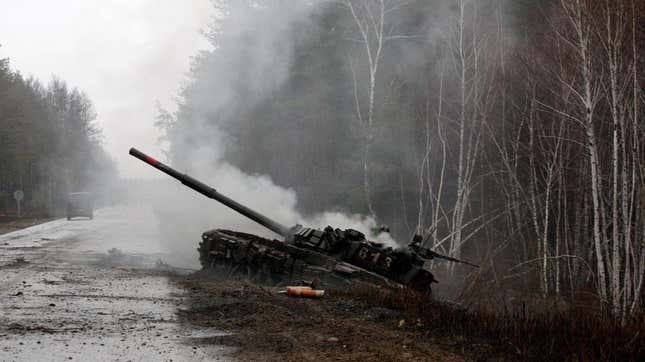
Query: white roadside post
[[18, 196]]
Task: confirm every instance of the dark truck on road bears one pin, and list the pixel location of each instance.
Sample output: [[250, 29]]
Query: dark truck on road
[[80, 204]]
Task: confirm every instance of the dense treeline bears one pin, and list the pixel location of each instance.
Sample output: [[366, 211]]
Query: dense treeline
[[49, 144], [504, 130]]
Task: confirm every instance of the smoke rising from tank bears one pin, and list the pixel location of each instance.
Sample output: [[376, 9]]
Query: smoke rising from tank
[[278, 80], [183, 214]]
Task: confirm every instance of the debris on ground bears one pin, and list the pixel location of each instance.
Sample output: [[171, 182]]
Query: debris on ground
[[303, 292], [162, 265], [117, 253]]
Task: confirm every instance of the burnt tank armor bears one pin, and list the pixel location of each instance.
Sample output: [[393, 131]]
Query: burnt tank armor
[[334, 256]]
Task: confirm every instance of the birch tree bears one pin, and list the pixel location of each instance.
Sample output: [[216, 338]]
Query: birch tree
[[466, 47], [372, 19]]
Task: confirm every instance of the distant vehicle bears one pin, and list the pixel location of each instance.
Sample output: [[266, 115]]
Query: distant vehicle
[[79, 204]]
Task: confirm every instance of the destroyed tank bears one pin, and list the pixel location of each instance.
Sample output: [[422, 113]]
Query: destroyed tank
[[331, 257]]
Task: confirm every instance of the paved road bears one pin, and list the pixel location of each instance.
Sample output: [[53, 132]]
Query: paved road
[[93, 290]]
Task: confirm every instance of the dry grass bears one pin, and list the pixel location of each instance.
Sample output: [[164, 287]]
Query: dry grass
[[534, 330]]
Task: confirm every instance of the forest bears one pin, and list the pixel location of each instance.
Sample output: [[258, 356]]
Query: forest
[[50, 145], [508, 132]]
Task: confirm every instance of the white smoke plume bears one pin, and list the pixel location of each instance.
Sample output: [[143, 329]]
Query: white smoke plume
[[184, 214]]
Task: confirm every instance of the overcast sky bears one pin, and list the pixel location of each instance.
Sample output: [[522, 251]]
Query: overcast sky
[[125, 54]]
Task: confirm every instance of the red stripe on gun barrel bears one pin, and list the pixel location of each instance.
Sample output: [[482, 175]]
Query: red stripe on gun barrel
[[151, 161]]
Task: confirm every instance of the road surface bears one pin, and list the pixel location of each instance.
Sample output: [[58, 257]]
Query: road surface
[[94, 290]]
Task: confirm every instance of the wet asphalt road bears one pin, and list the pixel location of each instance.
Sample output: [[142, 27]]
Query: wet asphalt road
[[94, 290]]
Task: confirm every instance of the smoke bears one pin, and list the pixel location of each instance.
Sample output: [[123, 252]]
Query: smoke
[[184, 214], [265, 55], [263, 61]]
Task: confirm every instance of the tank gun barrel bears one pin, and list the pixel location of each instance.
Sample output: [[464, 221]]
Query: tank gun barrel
[[213, 194]]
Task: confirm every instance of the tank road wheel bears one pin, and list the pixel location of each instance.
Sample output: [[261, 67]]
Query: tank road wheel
[[209, 261], [206, 260], [213, 263], [227, 262]]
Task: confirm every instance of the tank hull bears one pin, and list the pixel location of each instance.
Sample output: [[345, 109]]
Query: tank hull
[[275, 262]]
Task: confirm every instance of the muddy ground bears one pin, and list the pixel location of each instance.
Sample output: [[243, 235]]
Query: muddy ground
[[267, 325]]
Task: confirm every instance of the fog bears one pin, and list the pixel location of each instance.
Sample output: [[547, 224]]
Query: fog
[[127, 55]]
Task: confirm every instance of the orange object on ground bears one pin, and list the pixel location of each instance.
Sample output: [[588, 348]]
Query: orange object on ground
[[305, 292]]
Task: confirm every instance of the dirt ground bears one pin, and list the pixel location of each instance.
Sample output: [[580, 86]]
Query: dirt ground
[[9, 225], [269, 326]]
